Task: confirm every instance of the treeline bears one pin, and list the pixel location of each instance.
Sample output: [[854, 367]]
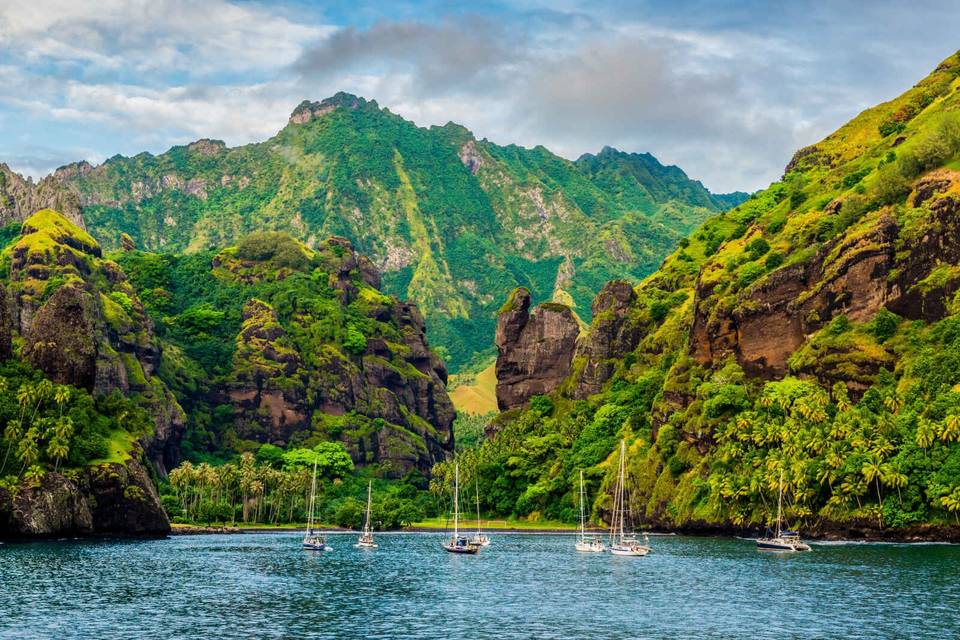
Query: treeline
[[55, 427], [272, 487]]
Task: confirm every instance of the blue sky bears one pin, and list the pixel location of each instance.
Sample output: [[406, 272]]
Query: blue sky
[[725, 90]]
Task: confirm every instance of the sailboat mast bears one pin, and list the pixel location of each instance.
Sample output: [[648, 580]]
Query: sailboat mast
[[313, 498], [582, 524], [366, 525], [779, 503], [623, 451], [478, 506], [456, 498]]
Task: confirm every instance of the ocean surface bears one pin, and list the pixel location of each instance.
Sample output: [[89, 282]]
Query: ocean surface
[[522, 586]]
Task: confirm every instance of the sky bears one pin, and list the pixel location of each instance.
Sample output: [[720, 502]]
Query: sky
[[725, 90]]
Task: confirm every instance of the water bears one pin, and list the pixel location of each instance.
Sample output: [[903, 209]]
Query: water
[[522, 586]]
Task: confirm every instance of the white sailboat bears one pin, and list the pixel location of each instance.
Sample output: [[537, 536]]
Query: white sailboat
[[314, 541], [458, 543], [591, 544], [783, 541], [622, 544], [478, 538], [366, 538]]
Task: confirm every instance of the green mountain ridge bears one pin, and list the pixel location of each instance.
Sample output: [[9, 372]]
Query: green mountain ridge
[[452, 222], [811, 333]]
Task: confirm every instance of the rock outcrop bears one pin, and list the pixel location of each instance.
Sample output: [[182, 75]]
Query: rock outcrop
[[614, 333], [20, 197], [383, 395], [82, 324], [104, 500], [534, 349]]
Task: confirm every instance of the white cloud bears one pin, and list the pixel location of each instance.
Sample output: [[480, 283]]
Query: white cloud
[[199, 36], [727, 96]]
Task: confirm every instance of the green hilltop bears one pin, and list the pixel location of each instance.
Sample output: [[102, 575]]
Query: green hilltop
[[813, 332], [452, 222]]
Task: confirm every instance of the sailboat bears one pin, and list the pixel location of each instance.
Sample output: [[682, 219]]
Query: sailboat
[[314, 541], [458, 543], [783, 541], [478, 538], [366, 538], [591, 544], [622, 544]]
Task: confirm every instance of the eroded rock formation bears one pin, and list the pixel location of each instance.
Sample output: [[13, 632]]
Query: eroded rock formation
[[535, 349]]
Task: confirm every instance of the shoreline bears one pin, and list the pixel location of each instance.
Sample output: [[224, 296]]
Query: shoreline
[[925, 534]]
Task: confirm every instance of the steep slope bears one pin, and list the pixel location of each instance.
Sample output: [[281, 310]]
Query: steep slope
[[79, 394], [452, 222], [812, 331], [272, 342]]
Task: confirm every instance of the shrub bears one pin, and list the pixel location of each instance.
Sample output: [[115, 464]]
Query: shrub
[[757, 247], [355, 342], [773, 261], [884, 325], [750, 272]]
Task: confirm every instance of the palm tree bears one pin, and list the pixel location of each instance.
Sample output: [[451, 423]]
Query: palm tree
[[950, 430], [872, 471], [951, 503]]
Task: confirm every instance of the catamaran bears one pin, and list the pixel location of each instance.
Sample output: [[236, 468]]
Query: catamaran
[[458, 543], [366, 538], [314, 541], [783, 541], [590, 544], [478, 538], [622, 544]]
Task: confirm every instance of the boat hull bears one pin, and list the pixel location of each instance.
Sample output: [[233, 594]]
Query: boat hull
[[632, 550], [468, 549], [782, 546], [590, 547], [366, 545]]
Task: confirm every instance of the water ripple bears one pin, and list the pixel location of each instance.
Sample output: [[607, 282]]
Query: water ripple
[[265, 586]]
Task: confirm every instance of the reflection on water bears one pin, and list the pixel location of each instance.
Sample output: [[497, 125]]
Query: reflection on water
[[522, 586]]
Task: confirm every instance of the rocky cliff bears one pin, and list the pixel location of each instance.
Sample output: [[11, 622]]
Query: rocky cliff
[[452, 222], [307, 349], [809, 334], [534, 349], [21, 197], [104, 500], [81, 323]]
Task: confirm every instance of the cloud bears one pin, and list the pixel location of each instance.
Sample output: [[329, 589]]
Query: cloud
[[472, 54], [727, 92], [165, 36]]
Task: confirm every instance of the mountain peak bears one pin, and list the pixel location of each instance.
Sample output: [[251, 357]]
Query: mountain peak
[[307, 110]]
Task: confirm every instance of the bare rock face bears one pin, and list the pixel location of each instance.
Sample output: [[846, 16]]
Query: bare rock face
[[20, 197], [307, 111], [854, 275], [61, 340], [535, 350], [613, 334], [109, 500], [772, 319]]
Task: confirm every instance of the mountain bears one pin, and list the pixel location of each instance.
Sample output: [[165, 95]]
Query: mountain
[[272, 342], [452, 222], [84, 408], [113, 368], [813, 332]]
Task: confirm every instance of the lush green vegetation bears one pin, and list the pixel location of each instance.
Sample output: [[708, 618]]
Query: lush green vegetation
[[454, 235], [55, 427], [862, 425], [273, 487], [209, 310]]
